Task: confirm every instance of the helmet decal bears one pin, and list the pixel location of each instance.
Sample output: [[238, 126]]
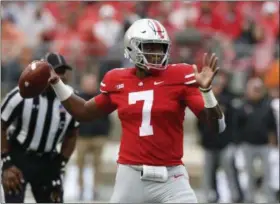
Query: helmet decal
[[154, 25]]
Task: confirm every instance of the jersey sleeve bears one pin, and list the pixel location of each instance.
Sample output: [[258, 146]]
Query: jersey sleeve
[[188, 74], [103, 101], [182, 74], [11, 105], [192, 96], [193, 99], [107, 85]]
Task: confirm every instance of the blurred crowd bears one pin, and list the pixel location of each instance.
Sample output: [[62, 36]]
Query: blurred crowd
[[89, 34], [244, 34]]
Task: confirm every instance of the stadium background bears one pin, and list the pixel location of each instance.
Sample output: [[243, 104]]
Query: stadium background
[[245, 36]]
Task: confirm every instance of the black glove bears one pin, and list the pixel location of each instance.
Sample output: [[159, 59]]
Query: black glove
[[56, 193], [60, 162], [12, 177], [7, 161], [56, 184]]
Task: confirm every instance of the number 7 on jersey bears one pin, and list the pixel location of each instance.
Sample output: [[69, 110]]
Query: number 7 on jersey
[[146, 128]]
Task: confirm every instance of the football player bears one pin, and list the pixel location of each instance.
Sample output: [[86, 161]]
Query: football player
[[150, 99]]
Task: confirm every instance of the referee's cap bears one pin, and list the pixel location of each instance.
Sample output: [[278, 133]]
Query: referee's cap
[[56, 60]]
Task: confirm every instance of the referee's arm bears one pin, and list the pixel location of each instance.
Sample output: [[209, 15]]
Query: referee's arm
[[4, 142], [11, 107], [69, 141]]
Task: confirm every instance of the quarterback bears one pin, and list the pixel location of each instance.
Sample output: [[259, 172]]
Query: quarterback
[[150, 98]]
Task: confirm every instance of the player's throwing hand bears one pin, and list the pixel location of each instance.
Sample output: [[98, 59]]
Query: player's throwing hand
[[54, 78], [209, 69]]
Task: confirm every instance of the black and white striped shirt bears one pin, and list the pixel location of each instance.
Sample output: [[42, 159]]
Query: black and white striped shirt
[[39, 123]]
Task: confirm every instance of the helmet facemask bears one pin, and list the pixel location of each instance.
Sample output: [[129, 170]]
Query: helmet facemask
[[149, 54]]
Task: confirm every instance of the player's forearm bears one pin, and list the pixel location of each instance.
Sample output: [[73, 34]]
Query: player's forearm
[[69, 144], [212, 113], [214, 116], [74, 104]]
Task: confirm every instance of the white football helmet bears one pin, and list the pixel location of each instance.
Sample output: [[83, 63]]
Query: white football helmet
[[146, 31]]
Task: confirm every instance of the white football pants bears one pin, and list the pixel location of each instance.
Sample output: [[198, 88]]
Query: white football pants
[[129, 188]]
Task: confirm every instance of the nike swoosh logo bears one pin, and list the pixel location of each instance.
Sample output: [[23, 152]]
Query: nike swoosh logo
[[179, 175], [143, 31], [158, 82]]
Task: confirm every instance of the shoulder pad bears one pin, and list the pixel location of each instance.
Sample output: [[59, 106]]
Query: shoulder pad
[[182, 74], [110, 81]]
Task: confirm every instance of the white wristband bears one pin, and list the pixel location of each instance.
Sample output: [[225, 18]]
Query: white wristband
[[62, 91], [209, 99]]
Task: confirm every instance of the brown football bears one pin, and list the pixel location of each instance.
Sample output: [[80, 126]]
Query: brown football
[[34, 79]]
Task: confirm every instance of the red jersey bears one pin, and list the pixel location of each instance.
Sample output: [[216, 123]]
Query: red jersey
[[151, 111]]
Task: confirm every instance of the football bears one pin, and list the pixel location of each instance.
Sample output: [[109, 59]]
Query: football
[[34, 79]]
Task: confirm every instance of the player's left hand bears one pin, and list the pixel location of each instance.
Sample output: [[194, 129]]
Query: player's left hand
[[209, 69]]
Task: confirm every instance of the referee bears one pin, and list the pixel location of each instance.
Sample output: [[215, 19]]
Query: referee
[[30, 132]]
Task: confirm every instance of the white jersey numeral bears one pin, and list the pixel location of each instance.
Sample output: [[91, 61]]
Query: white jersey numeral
[[146, 128]]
